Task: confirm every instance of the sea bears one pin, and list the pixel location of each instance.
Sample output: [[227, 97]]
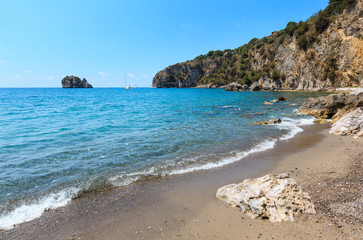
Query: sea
[[56, 143]]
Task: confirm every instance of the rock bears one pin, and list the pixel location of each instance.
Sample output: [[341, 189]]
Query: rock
[[255, 87], [350, 124], [210, 85], [272, 121], [277, 198], [236, 87], [331, 106], [344, 110], [281, 99], [323, 107], [75, 82]]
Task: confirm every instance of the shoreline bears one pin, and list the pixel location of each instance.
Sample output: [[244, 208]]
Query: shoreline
[[184, 206], [35, 209]]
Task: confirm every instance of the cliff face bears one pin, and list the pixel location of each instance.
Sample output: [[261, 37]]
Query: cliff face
[[335, 60], [75, 82], [184, 75], [323, 53]]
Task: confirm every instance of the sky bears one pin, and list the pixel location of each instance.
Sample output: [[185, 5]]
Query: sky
[[103, 41]]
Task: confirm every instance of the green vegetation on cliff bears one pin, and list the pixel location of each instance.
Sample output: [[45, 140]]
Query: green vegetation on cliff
[[256, 60], [240, 65]]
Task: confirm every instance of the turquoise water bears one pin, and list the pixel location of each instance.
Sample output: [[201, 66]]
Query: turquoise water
[[56, 142]]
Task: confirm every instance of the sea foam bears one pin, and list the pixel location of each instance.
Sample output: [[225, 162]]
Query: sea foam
[[28, 212]]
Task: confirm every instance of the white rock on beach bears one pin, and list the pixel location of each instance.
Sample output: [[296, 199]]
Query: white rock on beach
[[274, 197], [351, 123]]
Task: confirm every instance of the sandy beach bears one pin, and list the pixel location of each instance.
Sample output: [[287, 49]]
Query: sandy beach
[[185, 207]]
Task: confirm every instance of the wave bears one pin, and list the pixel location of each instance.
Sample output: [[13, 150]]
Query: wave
[[28, 212], [227, 106], [293, 126], [265, 145]]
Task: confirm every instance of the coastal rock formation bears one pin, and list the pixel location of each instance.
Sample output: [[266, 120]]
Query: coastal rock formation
[[350, 124], [209, 85], [183, 75], [272, 121], [236, 87], [75, 82], [274, 197], [323, 53], [346, 112], [333, 106], [281, 99]]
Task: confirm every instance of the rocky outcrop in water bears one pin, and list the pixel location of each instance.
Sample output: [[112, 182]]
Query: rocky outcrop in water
[[346, 112], [277, 198], [281, 99], [272, 121], [321, 54], [75, 82], [333, 106]]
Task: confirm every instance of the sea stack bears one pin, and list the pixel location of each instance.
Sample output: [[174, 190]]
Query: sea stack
[[75, 82]]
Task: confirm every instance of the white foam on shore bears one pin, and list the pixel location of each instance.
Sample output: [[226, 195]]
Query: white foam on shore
[[289, 124], [126, 179], [28, 212], [227, 107], [293, 126], [269, 144]]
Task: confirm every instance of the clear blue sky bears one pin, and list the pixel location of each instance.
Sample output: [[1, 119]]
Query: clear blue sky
[[42, 41]]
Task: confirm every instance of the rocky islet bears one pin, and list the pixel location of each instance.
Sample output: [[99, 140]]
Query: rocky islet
[[75, 82]]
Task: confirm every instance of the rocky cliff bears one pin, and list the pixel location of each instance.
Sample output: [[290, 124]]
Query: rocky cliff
[[322, 53], [75, 82]]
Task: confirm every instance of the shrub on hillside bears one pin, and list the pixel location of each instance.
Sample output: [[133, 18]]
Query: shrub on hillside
[[322, 22], [290, 28], [275, 75]]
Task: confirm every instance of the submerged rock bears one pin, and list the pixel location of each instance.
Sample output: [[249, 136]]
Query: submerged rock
[[281, 99], [75, 82], [349, 124], [274, 197], [272, 121]]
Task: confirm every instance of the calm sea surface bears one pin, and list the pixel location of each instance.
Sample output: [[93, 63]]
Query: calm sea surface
[[56, 142]]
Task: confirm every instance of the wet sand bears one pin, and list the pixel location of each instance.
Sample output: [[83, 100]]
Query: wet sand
[[185, 206]]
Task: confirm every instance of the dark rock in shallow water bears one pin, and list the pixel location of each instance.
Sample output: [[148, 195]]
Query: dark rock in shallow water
[[272, 121], [281, 99], [236, 87], [75, 82]]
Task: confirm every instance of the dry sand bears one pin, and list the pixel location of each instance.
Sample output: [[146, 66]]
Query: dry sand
[[185, 207]]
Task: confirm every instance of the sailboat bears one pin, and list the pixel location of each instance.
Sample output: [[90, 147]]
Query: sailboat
[[128, 87]]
